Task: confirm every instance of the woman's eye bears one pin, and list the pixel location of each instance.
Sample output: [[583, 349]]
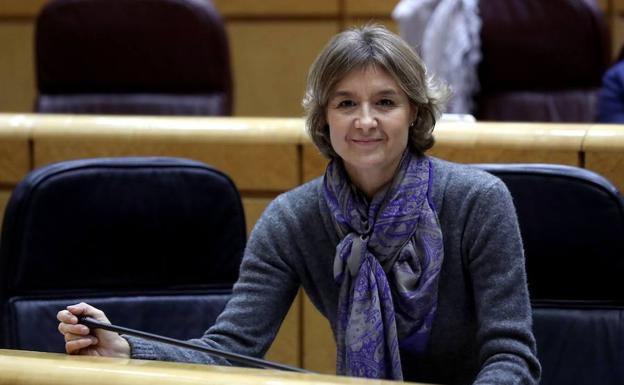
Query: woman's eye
[[346, 103], [386, 102]]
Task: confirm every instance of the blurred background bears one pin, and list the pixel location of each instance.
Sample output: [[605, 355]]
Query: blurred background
[[272, 43]]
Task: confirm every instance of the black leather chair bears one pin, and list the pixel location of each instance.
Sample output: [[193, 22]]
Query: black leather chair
[[541, 60], [155, 242], [572, 224], [151, 57]]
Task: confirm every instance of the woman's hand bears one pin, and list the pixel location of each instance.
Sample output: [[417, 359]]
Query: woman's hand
[[79, 340]]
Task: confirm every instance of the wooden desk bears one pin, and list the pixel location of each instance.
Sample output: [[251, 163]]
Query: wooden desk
[[27, 368]]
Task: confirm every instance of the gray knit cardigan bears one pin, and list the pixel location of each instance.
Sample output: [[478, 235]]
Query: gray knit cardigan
[[482, 330]]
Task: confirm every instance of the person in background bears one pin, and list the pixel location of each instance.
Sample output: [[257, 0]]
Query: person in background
[[611, 95], [416, 262]]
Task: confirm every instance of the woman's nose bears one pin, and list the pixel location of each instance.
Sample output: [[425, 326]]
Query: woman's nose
[[366, 120]]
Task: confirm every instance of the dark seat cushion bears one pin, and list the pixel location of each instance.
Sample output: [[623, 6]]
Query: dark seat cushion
[[580, 346], [33, 324]]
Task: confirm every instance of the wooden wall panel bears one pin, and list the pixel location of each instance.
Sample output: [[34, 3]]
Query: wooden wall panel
[[12, 9], [366, 8], [271, 61], [261, 155], [271, 8], [234, 8], [604, 152], [504, 155], [15, 157], [261, 167], [314, 163], [508, 142], [5, 194], [488, 143], [319, 348], [608, 164], [360, 12], [14, 160], [286, 347], [359, 21], [519, 136], [254, 207], [17, 79]]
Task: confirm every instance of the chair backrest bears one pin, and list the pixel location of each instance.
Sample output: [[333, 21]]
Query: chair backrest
[[156, 57], [156, 242], [572, 224], [542, 60]]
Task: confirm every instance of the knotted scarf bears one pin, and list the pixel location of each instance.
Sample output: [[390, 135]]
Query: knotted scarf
[[387, 266]]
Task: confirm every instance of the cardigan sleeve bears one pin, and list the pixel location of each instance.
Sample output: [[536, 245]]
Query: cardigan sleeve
[[506, 346], [261, 298]]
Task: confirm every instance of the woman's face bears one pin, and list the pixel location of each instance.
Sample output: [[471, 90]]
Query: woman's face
[[369, 116]]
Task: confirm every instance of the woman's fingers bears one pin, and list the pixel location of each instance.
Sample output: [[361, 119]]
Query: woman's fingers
[[77, 336], [76, 345], [84, 309], [79, 339], [69, 318], [74, 337], [65, 316], [77, 329]]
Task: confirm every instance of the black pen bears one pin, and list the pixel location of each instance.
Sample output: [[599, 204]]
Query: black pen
[[251, 361]]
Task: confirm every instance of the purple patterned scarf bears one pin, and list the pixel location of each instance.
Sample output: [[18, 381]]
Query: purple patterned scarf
[[387, 265]]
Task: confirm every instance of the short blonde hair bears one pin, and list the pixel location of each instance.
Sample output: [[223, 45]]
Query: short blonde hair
[[365, 46]]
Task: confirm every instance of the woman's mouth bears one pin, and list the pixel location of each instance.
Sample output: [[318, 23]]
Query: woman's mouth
[[366, 141]]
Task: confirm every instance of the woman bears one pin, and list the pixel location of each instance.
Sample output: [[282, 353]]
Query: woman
[[416, 262]]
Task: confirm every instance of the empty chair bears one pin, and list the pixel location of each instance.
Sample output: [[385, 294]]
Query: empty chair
[[541, 60], [154, 242], [156, 57], [572, 225]]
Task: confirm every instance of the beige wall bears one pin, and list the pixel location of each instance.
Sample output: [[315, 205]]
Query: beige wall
[[265, 85], [17, 78]]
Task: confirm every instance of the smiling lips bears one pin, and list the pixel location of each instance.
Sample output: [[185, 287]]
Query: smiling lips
[[366, 141]]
